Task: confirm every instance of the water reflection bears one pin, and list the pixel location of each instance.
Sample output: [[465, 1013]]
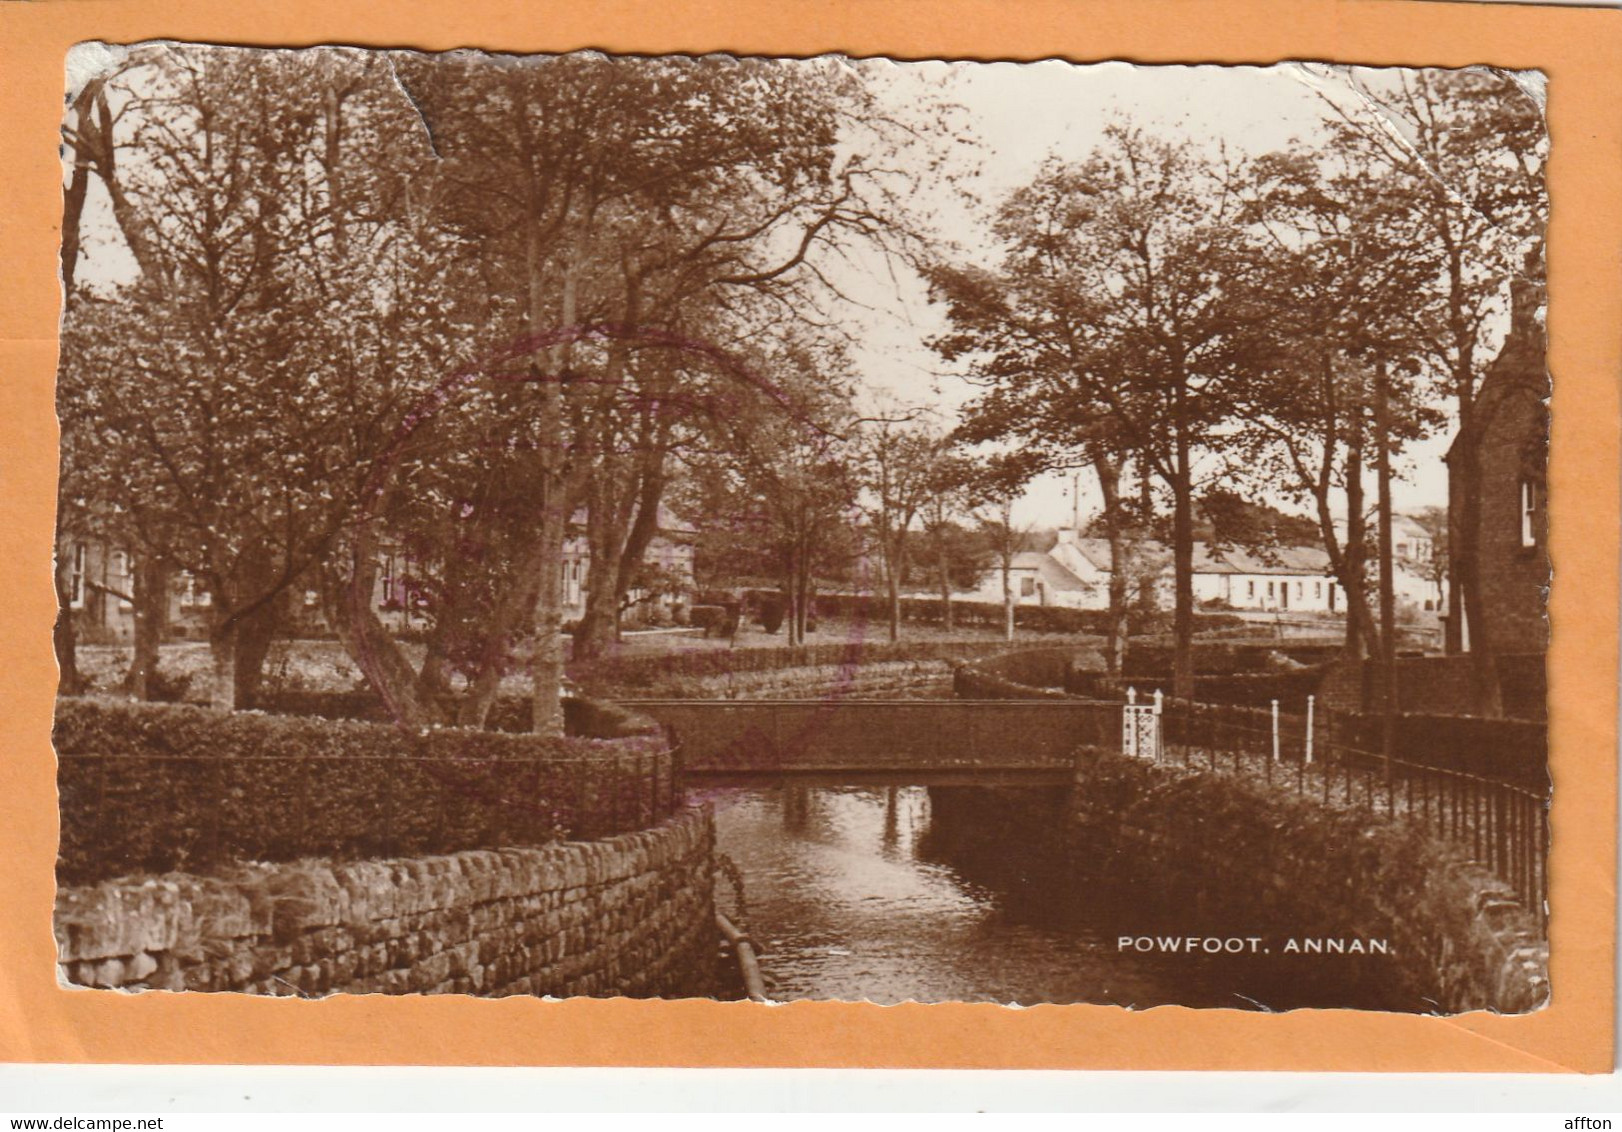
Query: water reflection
[[868, 893]]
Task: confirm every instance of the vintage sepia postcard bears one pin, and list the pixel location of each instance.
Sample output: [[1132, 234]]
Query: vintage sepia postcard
[[764, 531]]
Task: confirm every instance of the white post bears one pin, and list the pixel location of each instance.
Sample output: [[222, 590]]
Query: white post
[[1129, 725], [1309, 729], [1275, 731]]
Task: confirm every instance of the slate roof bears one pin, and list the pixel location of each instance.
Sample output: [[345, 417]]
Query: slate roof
[[1050, 570], [1293, 561]]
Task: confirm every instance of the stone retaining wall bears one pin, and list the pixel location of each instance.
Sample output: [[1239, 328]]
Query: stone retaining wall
[[1289, 867], [1283, 863], [628, 915]]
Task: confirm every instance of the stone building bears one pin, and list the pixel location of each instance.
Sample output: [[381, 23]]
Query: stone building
[[1511, 410]]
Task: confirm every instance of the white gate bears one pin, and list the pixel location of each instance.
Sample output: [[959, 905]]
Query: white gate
[[1140, 727]]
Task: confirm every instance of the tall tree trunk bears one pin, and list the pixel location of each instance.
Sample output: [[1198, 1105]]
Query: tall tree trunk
[[1359, 624], [1473, 609], [222, 648], [352, 613], [1388, 595], [73, 196], [254, 635], [1116, 630], [1008, 587], [597, 632], [1473, 606], [64, 634], [151, 601], [892, 579], [546, 665], [1182, 533]]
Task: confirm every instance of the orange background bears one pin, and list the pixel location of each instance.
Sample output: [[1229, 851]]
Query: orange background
[[1579, 50]]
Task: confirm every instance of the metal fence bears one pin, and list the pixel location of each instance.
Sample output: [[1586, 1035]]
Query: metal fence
[[1503, 825]]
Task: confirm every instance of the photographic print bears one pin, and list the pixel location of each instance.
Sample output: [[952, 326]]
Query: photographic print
[[777, 529]]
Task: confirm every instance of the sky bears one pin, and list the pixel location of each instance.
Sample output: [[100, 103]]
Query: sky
[[1019, 114]]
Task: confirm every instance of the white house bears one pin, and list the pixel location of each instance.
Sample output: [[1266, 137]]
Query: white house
[[1075, 573], [1280, 578]]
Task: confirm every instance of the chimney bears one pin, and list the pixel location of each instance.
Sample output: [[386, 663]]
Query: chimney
[[1526, 292]]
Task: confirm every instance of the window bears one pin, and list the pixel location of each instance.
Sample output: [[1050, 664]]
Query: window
[[1027, 587], [1529, 532], [76, 576], [1300, 590], [1317, 589], [1250, 588], [1270, 591], [386, 583]]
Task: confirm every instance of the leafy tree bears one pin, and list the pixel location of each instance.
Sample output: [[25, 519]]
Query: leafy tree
[[627, 194], [247, 329], [779, 497], [1465, 153], [1127, 313], [957, 556], [901, 473], [1346, 267]]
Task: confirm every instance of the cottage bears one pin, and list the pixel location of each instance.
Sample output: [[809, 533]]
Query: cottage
[[1074, 573]]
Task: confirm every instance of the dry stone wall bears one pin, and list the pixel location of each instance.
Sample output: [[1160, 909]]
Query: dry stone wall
[[628, 915]]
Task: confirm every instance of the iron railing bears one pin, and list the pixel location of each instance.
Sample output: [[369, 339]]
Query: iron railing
[[1503, 825]]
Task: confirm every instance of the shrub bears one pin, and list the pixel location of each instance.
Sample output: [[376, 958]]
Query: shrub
[[711, 618], [772, 613]]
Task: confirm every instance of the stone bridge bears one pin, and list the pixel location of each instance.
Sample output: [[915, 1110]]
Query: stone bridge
[[921, 742]]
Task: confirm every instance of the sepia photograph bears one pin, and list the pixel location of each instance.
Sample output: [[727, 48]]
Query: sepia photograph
[[830, 528]]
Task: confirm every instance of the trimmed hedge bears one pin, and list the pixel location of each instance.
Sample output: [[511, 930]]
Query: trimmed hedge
[[1246, 689], [874, 609], [1228, 657], [159, 787], [584, 717], [1506, 750]]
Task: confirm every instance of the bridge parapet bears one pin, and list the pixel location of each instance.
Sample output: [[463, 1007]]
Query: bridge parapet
[[921, 739]]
